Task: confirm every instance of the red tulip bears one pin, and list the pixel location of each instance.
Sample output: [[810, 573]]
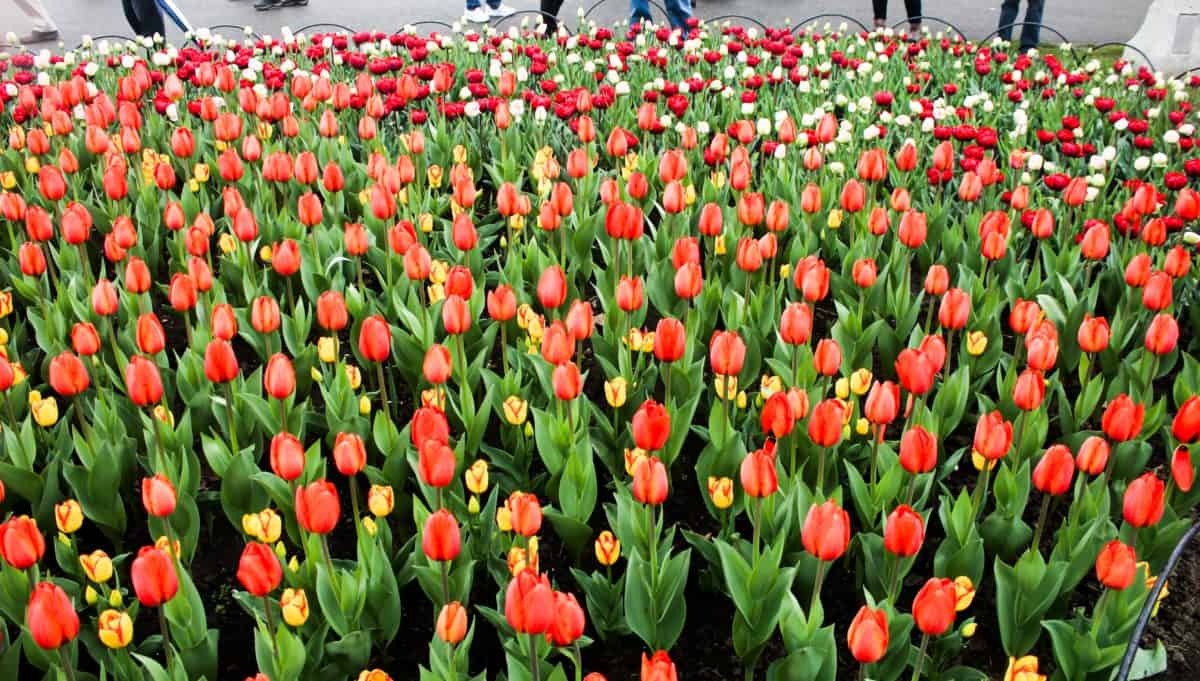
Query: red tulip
[[651, 426], [758, 474], [1143, 504], [993, 436], [1116, 565], [934, 606], [727, 353], [143, 382], [437, 463], [1186, 426], [1029, 390], [1182, 470], [441, 538], [918, 450], [158, 496], [502, 303], [220, 362], [317, 506], [279, 379], [21, 542], [567, 381], [1093, 455], [525, 513], [1054, 472], [68, 375], [50, 616], [868, 635], [915, 371], [630, 294], [904, 532], [287, 456], [349, 454], [1094, 334], [1123, 418], [937, 280], [1163, 334], [883, 403], [529, 603], [154, 578], [778, 418], [658, 668], [258, 569], [429, 423], [456, 315], [375, 339], [650, 481], [670, 340], [558, 345], [825, 423], [826, 531], [224, 323], [827, 358], [568, 623], [795, 325], [552, 287], [954, 310]]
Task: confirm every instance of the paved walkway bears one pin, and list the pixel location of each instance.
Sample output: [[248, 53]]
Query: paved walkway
[[1082, 21]]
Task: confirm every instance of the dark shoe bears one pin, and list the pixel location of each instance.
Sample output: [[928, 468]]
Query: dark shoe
[[38, 37], [293, 3], [264, 5]]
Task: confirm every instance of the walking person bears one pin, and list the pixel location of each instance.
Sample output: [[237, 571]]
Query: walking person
[[1033, 21], [44, 28], [478, 14], [678, 12], [912, 7]]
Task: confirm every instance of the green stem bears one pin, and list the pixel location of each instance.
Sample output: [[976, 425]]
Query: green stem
[[65, 659], [229, 415], [353, 482], [816, 593], [383, 394], [1098, 615], [445, 581], [757, 522], [533, 658], [166, 636], [333, 578], [1041, 522], [920, 657], [978, 497]]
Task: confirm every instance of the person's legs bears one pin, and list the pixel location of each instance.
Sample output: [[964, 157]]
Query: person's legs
[[131, 16], [37, 14], [1032, 29], [149, 17], [880, 9], [472, 4], [1008, 15], [913, 8], [639, 10], [678, 12], [549, 10]]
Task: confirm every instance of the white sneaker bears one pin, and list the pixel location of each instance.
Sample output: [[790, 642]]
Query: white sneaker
[[501, 11], [477, 16]]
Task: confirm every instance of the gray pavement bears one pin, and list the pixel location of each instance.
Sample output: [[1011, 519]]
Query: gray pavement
[[1082, 21]]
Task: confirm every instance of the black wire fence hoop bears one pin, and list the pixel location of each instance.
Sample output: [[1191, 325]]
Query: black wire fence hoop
[[800, 25], [326, 24], [930, 17], [1023, 24], [98, 38], [1127, 46], [426, 22], [1148, 607], [535, 12]]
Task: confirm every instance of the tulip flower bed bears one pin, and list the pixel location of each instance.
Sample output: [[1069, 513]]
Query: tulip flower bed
[[791, 355]]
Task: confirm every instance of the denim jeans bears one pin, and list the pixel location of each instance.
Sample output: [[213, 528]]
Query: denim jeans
[[1033, 19], [678, 11], [474, 4]]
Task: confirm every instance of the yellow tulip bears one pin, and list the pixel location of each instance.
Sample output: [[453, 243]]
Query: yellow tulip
[[68, 516], [516, 410], [327, 349], [294, 605], [977, 342], [608, 548], [115, 628], [616, 391], [381, 500], [720, 490], [477, 477], [45, 412], [860, 381]]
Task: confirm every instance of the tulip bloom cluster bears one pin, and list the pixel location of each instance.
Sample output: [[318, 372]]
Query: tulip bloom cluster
[[601, 327]]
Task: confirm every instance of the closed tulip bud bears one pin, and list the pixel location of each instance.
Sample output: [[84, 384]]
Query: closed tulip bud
[[758, 474], [97, 566], [1095, 243], [115, 629], [825, 423], [21, 543], [1029, 390], [68, 375], [630, 293], [331, 311], [452, 623], [883, 403], [529, 603], [864, 272], [1094, 334], [1093, 455], [375, 339], [143, 381], [977, 342], [720, 491], [1186, 426], [954, 309], [552, 287], [158, 496], [650, 484], [658, 668], [827, 358], [31, 259], [436, 462], [50, 616], [68, 516], [1162, 335], [795, 325], [220, 362], [456, 315], [993, 436], [670, 340], [516, 410], [349, 453], [868, 635], [294, 606], [567, 625], [937, 280], [904, 532], [1123, 418], [317, 507], [934, 349], [1143, 504], [279, 379], [436, 365], [154, 578], [918, 450], [441, 539], [525, 513], [1116, 565], [934, 606], [651, 426], [287, 456], [1053, 474], [826, 531], [1182, 470], [608, 549], [259, 571]]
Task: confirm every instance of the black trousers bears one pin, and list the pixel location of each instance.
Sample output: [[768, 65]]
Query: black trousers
[[913, 7], [144, 17], [550, 14]]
